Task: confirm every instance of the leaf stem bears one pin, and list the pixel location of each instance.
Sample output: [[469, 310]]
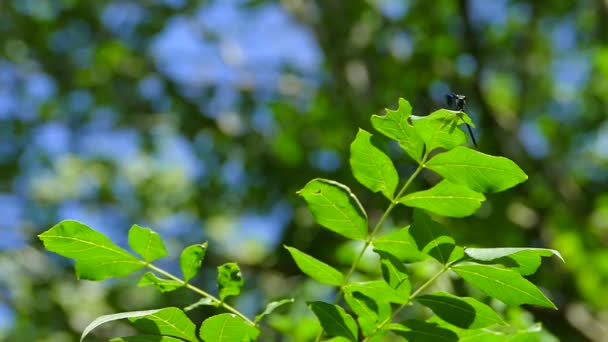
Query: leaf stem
[[201, 292], [370, 236]]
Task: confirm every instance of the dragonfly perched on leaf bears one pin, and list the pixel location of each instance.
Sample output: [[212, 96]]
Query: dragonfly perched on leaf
[[457, 102]]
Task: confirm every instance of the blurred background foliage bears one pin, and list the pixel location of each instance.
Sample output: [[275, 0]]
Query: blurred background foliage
[[201, 119]]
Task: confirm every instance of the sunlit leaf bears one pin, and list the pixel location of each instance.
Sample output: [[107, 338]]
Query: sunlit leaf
[[191, 259], [478, 171], [146, 243], [205, 301], [371, 166], [227, 327], [463, 312], [229, 280], [433, 239], [399, 244], [368, 311], [395, 274], [524, 260], [97, 257], [335, 321], [379, 290], [446, 199], [395, 125], [270, 307], [336, 208], [315, 268], [146, 338], [163, 285], [503, 284], [440, 129]]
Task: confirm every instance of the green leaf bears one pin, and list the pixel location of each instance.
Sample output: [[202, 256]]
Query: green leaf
[[525, 336], [163, 285], [229, 280], [503, 284], [270, 307], [419, 331], [395, 125], [191, 259], [524, 260], [336, 208], [316, 269], [395, 274], [227, 328], [97, 257], [205, 301], [446, 199], [334, 320], [480, 335], [371, 166], [477, 171], [146, 338], [168, 321], [463, 312], [433, 239], [440, 129], [368, 311], [379, 290], [146, 243], [399, 244]]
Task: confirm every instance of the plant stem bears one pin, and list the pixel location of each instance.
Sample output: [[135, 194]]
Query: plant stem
[[370, 236], [410, 299], [201, 292]]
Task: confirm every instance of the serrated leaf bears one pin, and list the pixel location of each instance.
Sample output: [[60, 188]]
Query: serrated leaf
[[440, 129], [399, 244], [146, 243], [205, 301], [334, 320], [97, 257], [503, 284], [525, 260], [419, 331], [270, 307], [463, 312], [478, 171], [315, 268], [229, 280], [336, 208], [371, 166], [433, 239], [368, 311], [146, 338], [169, 322], [379, 290], [446, 199], [163, 285], [395, 125], [227, 328], [191, 259], [395, 274]]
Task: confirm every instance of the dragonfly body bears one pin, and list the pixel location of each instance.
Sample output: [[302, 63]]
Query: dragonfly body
[[457, 102]]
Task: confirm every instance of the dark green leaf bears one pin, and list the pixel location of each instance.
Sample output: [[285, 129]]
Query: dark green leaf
[[335, 321], [146, 243], [463, 312], [446, 199], [163, 285], [440, 129], [503, 284], [433, 239], [395, 126], [229, 280], [399, 244], [315, 268], [524, 260], [371, 166], [336, 208], [97, 257], [270, 307], [419, 331], [227, 328], [191, 259], [168, 321], [478, 171]]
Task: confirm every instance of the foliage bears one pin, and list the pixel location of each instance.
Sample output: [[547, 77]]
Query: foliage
[[372, 307]]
